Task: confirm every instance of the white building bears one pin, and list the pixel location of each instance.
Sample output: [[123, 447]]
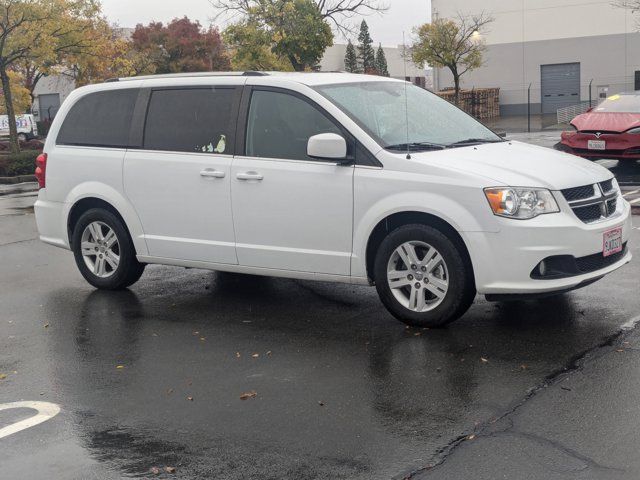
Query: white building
[[333, 61], [49, 94], [560, 47]]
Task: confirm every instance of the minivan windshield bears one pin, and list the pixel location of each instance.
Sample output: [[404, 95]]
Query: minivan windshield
[[380, 108], [624, 103]]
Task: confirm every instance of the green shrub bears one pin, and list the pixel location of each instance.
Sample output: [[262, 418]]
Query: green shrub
[[23, 163]]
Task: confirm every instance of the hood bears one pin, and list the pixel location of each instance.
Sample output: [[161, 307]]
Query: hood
[[606, 121], [517, 164]]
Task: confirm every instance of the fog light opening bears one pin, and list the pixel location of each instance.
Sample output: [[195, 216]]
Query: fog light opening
[[542, 268]]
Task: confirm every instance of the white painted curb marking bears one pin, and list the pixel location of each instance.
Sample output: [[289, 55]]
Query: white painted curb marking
[[45, 410]]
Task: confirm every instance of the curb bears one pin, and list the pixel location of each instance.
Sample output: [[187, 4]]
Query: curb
[[18, 179]]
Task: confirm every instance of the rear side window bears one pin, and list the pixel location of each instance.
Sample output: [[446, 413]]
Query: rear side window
[[100, 119], [191, 120]]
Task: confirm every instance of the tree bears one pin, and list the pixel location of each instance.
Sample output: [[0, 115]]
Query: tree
[[333, 11], [455, 45], [40, 33], [381, 62], [366, 53], [292, 30], [251, 48], [20, 95], [633, 5], [351, 59], [181, 46]]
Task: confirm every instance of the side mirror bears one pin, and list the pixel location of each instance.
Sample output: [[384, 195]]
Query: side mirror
[[327, 146], [590, 109]]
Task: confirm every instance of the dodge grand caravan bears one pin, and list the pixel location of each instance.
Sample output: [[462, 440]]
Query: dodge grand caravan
[[326, 176]]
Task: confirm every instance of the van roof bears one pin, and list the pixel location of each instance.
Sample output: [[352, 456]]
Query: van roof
[[306, 78]]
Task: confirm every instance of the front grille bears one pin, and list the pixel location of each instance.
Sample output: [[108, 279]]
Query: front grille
[[592, 203], [588, 214], [607, 186], [578, 193], [597, 261]]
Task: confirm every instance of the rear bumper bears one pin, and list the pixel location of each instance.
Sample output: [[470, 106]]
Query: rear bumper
[[503, 262], [50, 221]]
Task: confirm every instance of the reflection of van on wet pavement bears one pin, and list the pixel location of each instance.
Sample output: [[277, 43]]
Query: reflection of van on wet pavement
[[26, 124]]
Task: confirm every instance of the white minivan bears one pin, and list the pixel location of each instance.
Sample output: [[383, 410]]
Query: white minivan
[[321, 176]]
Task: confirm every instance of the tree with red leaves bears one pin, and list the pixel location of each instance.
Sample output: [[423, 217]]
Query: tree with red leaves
[[181, 46]]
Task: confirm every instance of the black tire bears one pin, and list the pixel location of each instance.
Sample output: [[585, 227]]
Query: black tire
[[461, 285], [128, 271]]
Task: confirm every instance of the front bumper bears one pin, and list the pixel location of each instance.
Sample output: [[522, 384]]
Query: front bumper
[[619, 147], [503, 261]]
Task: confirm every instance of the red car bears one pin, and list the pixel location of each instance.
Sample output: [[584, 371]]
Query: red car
[[610, 130]]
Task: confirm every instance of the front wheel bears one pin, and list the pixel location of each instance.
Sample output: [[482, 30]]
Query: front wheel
[[104, 252], [422, 277]]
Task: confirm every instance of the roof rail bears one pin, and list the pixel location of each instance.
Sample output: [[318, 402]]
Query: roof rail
[[191, 75]]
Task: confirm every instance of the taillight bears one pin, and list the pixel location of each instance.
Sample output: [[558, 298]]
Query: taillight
[[41, 169]]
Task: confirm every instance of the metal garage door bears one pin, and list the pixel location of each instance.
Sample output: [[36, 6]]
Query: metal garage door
[[49, 104], [560, 86]]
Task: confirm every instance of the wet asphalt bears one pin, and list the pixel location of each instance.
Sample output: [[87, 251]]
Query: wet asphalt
[[153, 377]]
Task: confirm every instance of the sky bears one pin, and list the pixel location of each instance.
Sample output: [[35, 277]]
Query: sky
[[386, 29]]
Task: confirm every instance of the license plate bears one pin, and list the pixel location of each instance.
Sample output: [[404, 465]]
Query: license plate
[[612, 242], [597, 145]]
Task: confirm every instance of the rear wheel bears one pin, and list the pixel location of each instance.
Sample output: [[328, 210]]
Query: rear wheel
[[422, 277], [104, 252]]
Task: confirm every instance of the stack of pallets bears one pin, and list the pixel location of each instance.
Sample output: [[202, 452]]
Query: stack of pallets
[[482, 103]]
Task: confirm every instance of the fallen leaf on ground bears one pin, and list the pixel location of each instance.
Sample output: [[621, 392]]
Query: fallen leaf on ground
[[321, 404], [620, 350], [417, 334], [169, 391], [119, 367], [238, 355], [170, 469], [484, 360], [154, 470], [248, 395], [202, 339], [269, 352], [190, 399], [471, 437], [523, 367], [3, 376], [255, 355], [46, 325]]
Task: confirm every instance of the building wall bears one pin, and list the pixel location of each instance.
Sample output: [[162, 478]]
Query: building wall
[[60, 84], [537, 20], [527, 34]]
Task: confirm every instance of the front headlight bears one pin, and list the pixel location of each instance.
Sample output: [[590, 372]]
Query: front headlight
[[634, 131], [520, 203]]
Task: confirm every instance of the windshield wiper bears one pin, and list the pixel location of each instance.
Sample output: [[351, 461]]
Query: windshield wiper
[[473, 141], [416, 146]]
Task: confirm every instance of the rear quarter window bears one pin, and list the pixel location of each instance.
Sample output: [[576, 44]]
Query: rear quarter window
[[100, 119]]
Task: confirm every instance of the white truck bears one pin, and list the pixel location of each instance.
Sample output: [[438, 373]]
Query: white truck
[[26, 125]]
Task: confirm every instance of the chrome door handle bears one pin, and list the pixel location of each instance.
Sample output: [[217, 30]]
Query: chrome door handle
[[249, 176], [211, 173]]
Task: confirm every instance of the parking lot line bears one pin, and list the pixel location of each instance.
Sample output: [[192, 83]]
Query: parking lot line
[[45, 411], [626, 194], [634, 201]]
